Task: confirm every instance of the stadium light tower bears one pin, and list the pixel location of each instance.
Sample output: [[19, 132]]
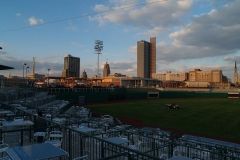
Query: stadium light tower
[[24, 65], [2, 50], [98, 50]]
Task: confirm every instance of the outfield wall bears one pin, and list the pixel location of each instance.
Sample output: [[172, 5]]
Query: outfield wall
[[120, 94], [187, 94]]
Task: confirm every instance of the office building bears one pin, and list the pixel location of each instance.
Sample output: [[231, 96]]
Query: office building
[[196, 78], [106, 70], [171, 76], [212, 76], [71, 66], [146, 58], [152, 56]]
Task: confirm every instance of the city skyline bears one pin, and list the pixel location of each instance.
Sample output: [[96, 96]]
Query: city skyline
[[186, 39]]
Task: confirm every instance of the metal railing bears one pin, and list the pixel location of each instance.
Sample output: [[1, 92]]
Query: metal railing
[[82, 145]]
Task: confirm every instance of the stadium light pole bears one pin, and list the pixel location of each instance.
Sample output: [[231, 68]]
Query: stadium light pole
[[1, 50], [27, 70], [98, 50], [24, 64], [48, 76]]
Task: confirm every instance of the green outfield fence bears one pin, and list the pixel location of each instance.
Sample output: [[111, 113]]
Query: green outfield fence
[[104, 95]]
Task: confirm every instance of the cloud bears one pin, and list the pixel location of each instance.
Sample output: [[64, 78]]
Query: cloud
[[18, 14], [41, 66], [153, 31], [132, 49], [100, 8], [232, 59], [128, 68], [33, 21], [72, 27], [184, 4], [150, 14], [216, 33]]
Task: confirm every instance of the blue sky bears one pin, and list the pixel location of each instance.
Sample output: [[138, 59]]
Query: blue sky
[[189, 33]]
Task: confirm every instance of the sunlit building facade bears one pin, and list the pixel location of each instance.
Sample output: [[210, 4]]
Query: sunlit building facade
[[146, 58], [212, 76], [106, 70], [171, 76]]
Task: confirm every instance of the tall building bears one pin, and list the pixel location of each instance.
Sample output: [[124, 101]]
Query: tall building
[[71, 66], [235, 74], [152, 56], [146, 58], [106, 70]]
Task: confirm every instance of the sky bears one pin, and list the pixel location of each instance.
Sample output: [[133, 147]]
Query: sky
[[190, 34]]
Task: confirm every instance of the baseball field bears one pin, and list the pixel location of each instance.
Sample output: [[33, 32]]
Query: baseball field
[[211, 117]]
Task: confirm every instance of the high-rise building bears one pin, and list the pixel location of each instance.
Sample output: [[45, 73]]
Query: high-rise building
[[106, 70], [71, 66], [152, 56], [146, 58]]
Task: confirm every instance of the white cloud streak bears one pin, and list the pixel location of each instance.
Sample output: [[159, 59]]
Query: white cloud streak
[[18, 14], [34, 21], [159, 13]]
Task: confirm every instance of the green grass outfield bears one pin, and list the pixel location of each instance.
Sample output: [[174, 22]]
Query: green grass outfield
[[211, 117]]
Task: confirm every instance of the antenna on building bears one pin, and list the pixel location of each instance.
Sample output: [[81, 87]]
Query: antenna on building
[[98, 50]]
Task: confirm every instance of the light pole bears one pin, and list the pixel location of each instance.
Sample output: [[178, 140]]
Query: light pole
[[27, 71], [1, 78], [48, 76], [98, 50], [24, 69], [1, 50]]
